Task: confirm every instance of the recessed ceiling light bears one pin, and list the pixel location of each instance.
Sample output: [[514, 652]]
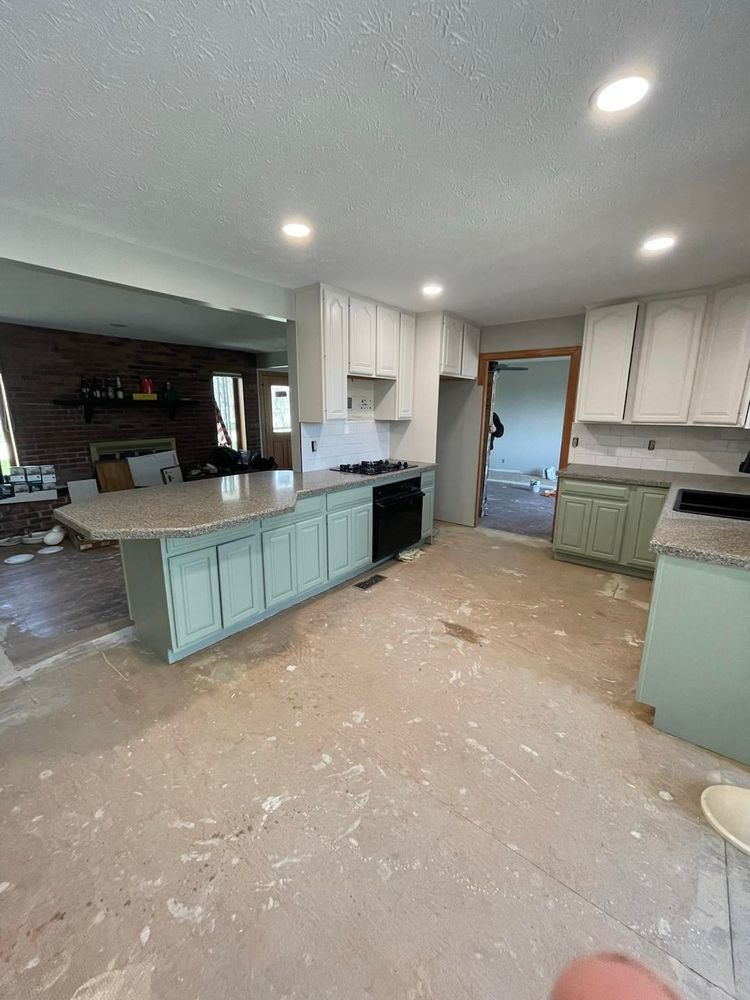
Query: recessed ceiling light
[[431, 290], [297, 230], [622, 93], [658, 244]]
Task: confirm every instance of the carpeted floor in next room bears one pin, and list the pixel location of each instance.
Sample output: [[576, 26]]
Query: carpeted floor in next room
[[441, 787]]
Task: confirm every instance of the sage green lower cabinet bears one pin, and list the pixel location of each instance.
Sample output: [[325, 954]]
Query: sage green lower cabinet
[[194, 579], [280, 564], [607, 524], [428, 504], [312, 558], [349, 540], [241, 580]]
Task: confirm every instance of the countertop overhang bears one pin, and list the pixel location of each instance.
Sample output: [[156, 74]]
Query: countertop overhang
[[719, 540], [187, 509]]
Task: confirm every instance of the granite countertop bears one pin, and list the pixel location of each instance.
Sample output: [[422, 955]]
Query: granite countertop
[[185, 509], [719, 540]]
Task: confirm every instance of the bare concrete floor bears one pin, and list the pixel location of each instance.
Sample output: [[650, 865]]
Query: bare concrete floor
[[441, 787]]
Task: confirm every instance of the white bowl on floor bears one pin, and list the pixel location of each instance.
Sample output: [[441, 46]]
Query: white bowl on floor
[[727, 809], [11, 540], [55, 535], [48, 550], [21, 558]]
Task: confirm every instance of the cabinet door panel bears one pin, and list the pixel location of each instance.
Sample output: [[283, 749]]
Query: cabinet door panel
[[339, 542], [361, 337], [607, 529], [720, 394], [668, 358], [194, 579], [644, 511], [470, 356], [386, 343], [241, 579], [428, 510], [280, 564], [451, 347], [405, 385], [335, 352], [312, 560], [605, 362], [361, 535], [572, 524]]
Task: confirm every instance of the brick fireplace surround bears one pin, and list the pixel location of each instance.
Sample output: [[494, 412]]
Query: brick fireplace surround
[[41, 365]]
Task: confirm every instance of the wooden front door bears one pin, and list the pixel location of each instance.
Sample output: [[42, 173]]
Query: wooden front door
[[277, 421]]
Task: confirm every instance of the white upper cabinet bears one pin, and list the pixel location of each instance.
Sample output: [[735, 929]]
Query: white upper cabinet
[[667, 361], [605, 363], [405, 384], [361, 336], [335, 353], [722, 382], [452, 346], [470, 356], [386, 342]]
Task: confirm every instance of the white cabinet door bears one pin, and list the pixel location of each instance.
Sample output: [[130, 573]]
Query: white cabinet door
[[451, 346], [470, 356], [722, 379], [405, 384], [386, 344], [605, 363], [361, 336], [668, 356], [335, 352]]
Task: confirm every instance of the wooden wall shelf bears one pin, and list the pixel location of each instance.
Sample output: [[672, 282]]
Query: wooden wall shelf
[[90, 406]]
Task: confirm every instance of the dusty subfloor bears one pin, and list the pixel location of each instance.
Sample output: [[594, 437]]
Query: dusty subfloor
[[441, 787]]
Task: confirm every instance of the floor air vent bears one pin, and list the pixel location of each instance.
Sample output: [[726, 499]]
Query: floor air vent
[[370, 581]]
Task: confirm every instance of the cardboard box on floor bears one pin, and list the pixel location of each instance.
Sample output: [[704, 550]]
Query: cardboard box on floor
[[84, 544]]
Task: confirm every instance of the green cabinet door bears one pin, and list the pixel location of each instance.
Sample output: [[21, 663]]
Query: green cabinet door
[[280, 564], [339, 542], [360, 527], [606, 529], [428, 510], [645, 509], [196, 604], [312, 560], [241, 579], [572, 524]]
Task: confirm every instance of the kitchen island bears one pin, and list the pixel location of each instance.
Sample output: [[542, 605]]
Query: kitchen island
[[204, 560], [695, 668]]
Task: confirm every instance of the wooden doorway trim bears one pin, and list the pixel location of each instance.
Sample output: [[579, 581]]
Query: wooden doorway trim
[[267, 378], [574, 354]]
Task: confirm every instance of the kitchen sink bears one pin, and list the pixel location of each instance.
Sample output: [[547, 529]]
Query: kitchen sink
[[733, 505]]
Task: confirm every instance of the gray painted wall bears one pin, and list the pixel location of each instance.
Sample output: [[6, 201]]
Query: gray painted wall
[[531, 405]]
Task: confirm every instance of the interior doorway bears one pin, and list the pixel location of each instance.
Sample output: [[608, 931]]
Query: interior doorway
[[276, 418], [529, 400]]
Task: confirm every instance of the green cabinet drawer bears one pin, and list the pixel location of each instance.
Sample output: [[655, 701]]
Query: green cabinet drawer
[[572, 524], [340, 499], [280, 565], [606, 529], [241, 580], [196, 603], [428, 478], [584, 488], [191, 542], [646, 505], [311, 555]]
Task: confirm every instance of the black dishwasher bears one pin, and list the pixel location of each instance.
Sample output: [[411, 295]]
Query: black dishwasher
[[397, 517]]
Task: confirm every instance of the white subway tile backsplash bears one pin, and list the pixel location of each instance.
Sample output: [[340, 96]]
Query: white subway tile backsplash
[[344, 441], [706, 450]]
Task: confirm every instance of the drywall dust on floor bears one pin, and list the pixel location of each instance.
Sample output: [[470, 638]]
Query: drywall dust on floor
[[440, 787]]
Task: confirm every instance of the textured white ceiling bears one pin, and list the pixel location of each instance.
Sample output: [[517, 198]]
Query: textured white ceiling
[[63, 302], [446, 139]]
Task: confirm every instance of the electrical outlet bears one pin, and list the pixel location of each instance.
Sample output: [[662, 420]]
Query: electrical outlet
[[574, 443], [651, 444], [314, 445]]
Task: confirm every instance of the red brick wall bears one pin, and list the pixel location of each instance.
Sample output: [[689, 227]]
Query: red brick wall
[[41, 365], [22, 518]]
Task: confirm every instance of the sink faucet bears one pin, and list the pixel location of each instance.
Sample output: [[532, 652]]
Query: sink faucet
[[745, 464]]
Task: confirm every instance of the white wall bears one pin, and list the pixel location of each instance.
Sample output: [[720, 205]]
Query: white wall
[[708, 450], [531, 405], [458, 441], [344, 441], [560, 331]]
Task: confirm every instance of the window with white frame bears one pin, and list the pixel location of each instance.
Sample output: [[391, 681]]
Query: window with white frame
[[230, 410]]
